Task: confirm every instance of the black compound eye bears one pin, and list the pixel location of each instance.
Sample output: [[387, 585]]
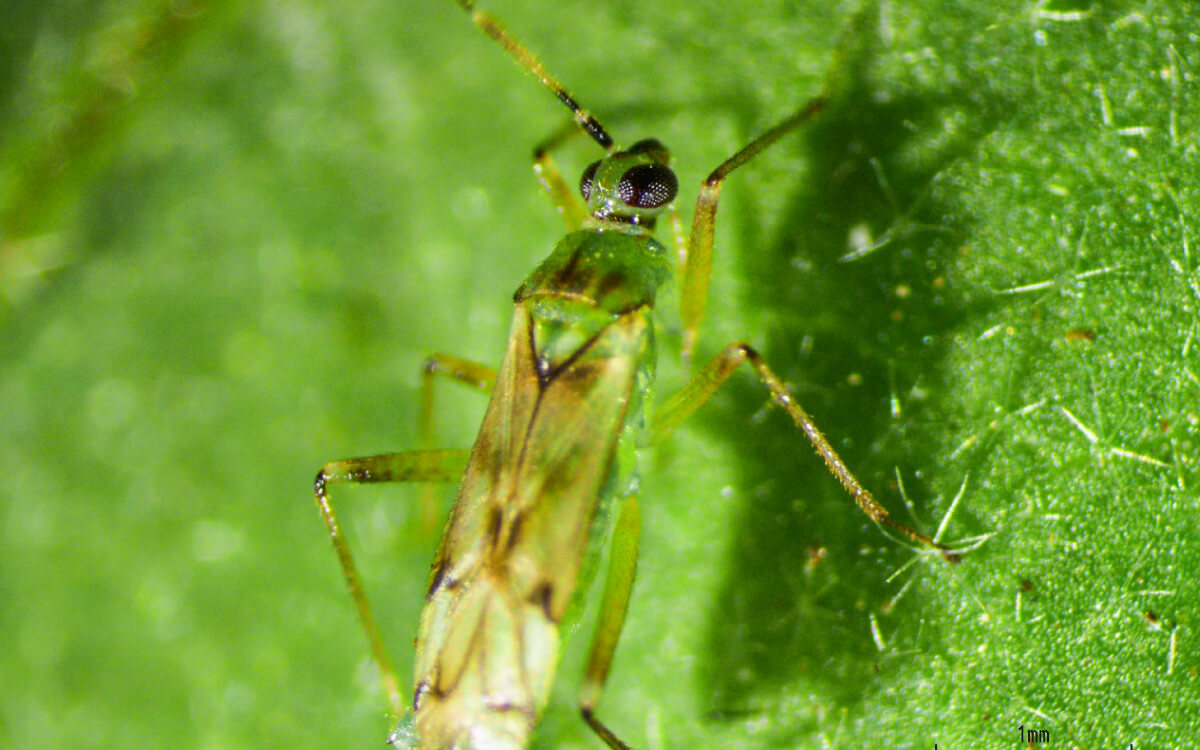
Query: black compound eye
[[585, 182], [648, 186]]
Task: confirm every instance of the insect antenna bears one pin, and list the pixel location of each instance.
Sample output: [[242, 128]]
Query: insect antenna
[[584, 119]]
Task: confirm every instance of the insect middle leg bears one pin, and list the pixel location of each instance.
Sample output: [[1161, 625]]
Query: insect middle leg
[[696, 278], [705, 383], [471, 374]]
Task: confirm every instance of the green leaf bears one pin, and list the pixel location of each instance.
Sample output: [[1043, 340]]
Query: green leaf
[[231, 235]]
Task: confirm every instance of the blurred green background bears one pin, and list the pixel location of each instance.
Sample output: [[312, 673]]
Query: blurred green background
[[231, 232]]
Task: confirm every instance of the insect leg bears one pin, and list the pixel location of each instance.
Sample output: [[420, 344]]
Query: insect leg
[[679, 240], [617, 587], [479, 377], [698, 268], [705, 383], [564, 197], [413, 466]]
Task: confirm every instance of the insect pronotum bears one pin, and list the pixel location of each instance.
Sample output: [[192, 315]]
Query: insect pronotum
[[552, 465]]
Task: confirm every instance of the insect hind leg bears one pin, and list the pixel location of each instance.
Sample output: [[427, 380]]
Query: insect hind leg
[[413, 466], [618, 585]]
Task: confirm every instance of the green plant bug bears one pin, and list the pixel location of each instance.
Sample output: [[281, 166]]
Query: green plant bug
[[552, 473]]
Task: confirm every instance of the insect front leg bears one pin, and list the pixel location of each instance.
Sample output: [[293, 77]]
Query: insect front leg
[[582, 120], [562, 194], [617, 587], [705, 383], [698, 266], [412, 466]]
